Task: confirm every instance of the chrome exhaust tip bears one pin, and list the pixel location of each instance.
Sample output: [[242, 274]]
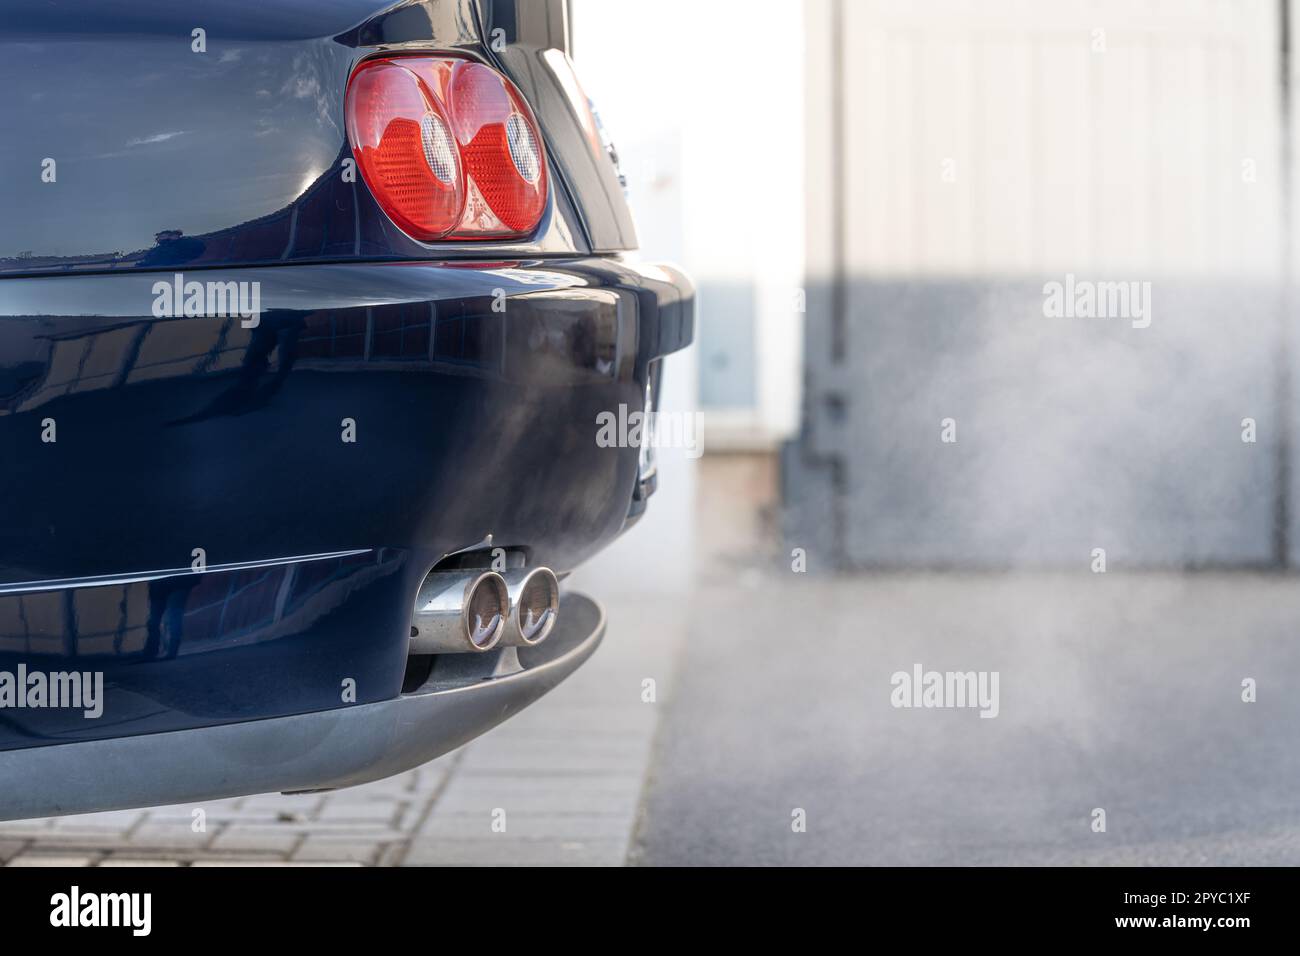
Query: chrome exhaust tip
[[460, 612], [534, 605]]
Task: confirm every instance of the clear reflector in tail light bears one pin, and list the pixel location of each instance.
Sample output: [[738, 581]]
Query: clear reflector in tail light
[[448, 148], [502, 154]]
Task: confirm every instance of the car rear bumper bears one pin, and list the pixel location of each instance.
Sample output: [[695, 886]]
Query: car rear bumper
[[328, 749], [203, 533]]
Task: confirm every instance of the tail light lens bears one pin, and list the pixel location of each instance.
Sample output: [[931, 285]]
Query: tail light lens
[[448, 148], [401, 137]]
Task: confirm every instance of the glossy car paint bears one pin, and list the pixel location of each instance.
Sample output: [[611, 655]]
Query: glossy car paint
[[471, 374], [191, 433], [165, 157]]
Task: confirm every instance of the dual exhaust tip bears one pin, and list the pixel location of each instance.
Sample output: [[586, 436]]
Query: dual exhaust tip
[[473, 611]]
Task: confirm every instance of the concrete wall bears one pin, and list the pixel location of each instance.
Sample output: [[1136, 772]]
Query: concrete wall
[[960, 157]]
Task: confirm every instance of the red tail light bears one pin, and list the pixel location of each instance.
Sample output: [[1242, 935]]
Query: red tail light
[[448, 148], [402, 141]]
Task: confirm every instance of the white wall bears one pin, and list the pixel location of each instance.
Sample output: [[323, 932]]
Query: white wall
[[1015, 137], [705, 97], [656, 556], [990, 147]]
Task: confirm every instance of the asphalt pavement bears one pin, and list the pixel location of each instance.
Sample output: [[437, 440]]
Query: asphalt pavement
[[1118, 693]]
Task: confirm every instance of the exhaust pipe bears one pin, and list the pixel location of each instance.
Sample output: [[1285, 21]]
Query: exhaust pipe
[[459, 612], [534, 605]]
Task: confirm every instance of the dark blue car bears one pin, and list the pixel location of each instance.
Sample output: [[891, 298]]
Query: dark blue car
[[308, 312]]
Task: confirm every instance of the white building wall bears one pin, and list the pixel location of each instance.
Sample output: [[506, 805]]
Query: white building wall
[[1013, 137], [723, 80], [960, 156]]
